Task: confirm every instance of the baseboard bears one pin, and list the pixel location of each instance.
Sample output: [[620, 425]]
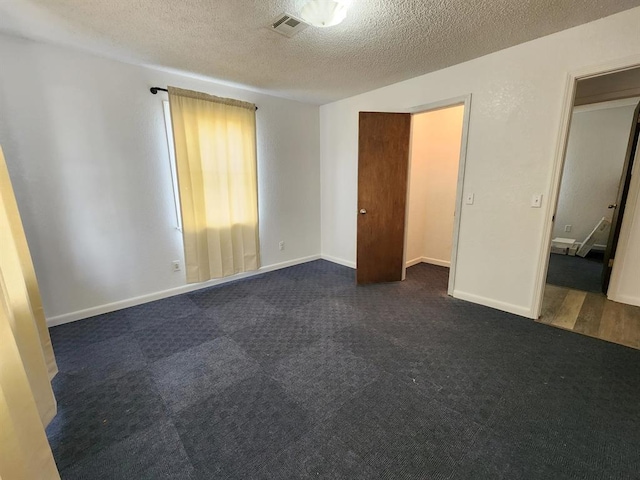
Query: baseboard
[[410, 263], [626, 299], [413, 262], [339, 261], [498, 305], [432, 261], [132, 302], [435, 261]]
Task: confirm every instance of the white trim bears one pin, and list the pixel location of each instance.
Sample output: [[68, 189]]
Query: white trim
[[413, 262], [547, 231], [407, 203], [626, 299], [459, 195], [440, 105], [628, 223], [498, 305], [339, 261], [436, 261], [132, 302], [591, 107], [432, 261], [558, 164]]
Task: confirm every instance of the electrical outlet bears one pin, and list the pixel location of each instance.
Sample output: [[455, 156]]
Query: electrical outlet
[[567, 228], [281, 245], [176, 265]]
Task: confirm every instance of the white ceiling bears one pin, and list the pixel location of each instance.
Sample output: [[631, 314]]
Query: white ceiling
[[380, 43]]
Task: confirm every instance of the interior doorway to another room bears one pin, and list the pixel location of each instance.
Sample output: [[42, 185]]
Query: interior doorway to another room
[[411, 169], [590, 287], [591, 176], [436, 142]]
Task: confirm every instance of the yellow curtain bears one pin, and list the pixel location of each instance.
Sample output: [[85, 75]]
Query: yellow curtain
[[215, 147], [27, 403]]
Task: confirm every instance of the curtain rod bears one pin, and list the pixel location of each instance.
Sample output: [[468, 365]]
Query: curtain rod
[[155, 90]]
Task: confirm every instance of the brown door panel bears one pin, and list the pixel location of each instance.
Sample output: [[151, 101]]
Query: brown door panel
[[383, 163]]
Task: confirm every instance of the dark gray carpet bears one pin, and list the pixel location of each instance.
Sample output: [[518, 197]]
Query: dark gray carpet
[[298, 374], [576, 272]]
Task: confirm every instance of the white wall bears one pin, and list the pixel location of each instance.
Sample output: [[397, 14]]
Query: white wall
[[593, 165], [517, 101], [435, 153], [417, 197], [86, 148]]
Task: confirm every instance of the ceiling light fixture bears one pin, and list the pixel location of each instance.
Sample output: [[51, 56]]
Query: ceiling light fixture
[[324, 13]]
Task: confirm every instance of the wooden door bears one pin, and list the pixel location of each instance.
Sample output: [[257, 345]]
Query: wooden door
[[383, 165], [621, 200]]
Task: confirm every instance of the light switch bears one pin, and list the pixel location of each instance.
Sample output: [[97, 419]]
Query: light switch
[[536, 200], [469, 199]]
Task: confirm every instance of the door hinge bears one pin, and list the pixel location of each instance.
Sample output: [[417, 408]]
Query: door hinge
[[611, 262]]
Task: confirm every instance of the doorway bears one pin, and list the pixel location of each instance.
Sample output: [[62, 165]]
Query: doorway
[[591, 231], [410, 175], [436, 138], [593, 168]]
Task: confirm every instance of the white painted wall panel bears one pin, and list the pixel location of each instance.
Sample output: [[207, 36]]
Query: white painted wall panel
[[515, 116], [86, 148]]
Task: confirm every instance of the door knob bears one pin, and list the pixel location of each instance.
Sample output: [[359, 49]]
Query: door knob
[[613, 205], [362, 211]]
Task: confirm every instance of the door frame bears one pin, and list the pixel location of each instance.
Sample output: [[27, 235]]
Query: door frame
[[622, 197], [559, 161], [464, 100]]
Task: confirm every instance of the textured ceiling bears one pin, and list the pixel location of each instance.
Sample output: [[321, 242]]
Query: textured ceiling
[[380, 43]]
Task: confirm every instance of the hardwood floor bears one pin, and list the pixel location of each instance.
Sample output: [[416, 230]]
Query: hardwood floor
[[591, 314]]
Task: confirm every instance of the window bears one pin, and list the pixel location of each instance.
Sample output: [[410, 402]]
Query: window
[[172, 163], [214, 140]]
